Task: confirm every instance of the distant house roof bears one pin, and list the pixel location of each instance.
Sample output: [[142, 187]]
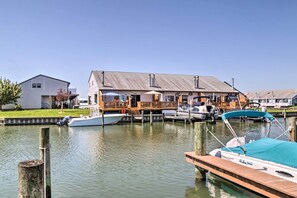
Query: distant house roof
[[164, 82], [46, 77], [272, 94]]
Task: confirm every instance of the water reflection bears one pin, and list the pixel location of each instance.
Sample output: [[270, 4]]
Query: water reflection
[[215, 186], [133, 160]]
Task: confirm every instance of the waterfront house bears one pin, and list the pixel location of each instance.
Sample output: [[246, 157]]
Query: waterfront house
[[243, 99], [274, 98], [40, 92], [115, 91]]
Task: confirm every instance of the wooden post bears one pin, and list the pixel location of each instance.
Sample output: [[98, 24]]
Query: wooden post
[[142, 117], [103, 118], [129, 102], [151, 117], [31, 181], [293, 133], [163, 117], [200, 147], [190, 120], [132, 118], [44, 146], [285, 118]]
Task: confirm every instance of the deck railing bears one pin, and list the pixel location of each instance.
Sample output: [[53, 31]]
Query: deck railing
[[156, 105], [229, 105], [163, 105], [115, 105]]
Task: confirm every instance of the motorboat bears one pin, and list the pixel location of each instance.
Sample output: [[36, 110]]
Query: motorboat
[[199, 110], [96, 120], [199, 113], [273, 156]]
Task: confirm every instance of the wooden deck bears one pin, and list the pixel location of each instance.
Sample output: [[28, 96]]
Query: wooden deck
[[161, 105], [260, 182]]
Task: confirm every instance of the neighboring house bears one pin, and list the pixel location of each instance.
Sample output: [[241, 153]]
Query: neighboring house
[[132, 89], [40, 92], [274, 98]]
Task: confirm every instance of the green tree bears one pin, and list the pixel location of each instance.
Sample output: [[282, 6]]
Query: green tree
[[61, 97], [10, 92]]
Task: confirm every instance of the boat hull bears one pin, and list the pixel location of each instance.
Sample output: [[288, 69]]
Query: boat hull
[[271, 168], [95, 120], [198, 116]]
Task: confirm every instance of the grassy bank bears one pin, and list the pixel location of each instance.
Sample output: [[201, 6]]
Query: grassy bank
[[278, 110], [44, 113]]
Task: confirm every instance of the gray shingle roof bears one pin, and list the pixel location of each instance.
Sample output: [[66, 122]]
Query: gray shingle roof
[[164, 82], [46, 77], [272, 94]]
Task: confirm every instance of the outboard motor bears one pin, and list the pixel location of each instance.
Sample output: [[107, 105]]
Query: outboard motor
[[64, 121]]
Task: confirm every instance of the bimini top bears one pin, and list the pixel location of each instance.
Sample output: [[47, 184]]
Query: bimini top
[[277, 151], [247, 113]]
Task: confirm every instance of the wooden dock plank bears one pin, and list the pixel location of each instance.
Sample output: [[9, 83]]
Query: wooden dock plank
[[261, 182]]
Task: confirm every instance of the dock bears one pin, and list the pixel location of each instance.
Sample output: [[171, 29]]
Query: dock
[[29, 121], [179, 119], [255, 180]]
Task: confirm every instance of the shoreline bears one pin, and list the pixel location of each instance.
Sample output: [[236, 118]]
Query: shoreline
[[53, 120], [127, 118]]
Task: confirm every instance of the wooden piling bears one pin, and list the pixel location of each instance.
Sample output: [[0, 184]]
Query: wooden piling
[[132, 117], [44, 146], [142, 116], [103, 118], [190, 120], [31, 179], [151, 117], [293, 133], [200, 147]]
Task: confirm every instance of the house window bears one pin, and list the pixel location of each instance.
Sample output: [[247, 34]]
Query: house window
[[185, 99], [95, 98], [169, 98], [36, 85]]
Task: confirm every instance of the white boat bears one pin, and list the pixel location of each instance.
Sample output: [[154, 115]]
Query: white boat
[[194, 114], [96, 120], [201, 112], [273, 156]]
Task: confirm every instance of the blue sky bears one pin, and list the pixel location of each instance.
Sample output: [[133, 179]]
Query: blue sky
[[253, 41]]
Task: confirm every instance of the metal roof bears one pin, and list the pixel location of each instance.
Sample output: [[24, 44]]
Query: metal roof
[[272, 94], [114, 80]]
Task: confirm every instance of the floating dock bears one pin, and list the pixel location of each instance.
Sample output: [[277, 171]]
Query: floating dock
[[255, 180]]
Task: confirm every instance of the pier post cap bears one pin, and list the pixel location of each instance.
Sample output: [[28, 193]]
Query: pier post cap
[[30, 163]]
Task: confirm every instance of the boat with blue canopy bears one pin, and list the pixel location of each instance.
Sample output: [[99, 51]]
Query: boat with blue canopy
[[273, 156], [247, 113]]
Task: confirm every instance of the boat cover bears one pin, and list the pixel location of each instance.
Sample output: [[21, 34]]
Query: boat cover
[[277, 151], [247, 113]]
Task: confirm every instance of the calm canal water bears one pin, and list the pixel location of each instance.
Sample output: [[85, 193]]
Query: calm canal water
[[120, 161]]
